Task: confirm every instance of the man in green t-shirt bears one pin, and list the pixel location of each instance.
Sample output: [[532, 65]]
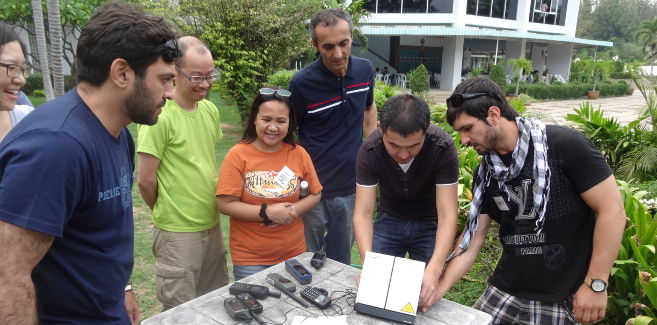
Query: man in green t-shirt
[[177, 177]]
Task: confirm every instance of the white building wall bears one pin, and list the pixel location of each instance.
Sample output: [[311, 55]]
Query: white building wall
[[558, 59], [451, 66]]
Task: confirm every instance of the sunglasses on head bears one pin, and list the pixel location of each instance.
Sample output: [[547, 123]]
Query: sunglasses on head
[[169, 50], [274, 92], [456, 100]]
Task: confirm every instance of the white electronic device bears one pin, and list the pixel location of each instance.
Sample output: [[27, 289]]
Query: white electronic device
[[390, 287]]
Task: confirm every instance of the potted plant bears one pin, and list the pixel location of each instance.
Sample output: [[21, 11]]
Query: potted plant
[[599, 70], [520, 68]]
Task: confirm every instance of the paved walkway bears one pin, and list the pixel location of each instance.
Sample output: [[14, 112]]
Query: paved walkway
[[625, 108]]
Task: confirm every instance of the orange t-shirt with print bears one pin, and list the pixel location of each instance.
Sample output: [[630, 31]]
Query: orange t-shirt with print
[[250, 174]]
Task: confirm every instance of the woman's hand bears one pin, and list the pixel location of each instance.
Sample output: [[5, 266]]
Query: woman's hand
[[281, 213]]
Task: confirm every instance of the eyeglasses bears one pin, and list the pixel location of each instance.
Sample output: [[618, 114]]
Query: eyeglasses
[[15, 70], [278, 92], [198, 79], [456, 100], [169, 50]]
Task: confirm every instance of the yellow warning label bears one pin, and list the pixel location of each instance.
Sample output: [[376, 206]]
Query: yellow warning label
[[408, 308]]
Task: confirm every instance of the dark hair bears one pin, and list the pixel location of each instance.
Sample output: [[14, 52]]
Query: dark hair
[[478, 107], [250, 133], [8, 35], [119, 30], [186, 43], [329, 17], [405, 114]]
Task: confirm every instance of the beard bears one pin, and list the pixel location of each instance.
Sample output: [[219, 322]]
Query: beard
[[490, 141], [141, 105]]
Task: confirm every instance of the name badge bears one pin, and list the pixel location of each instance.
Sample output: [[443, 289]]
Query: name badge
[[501, 204], [284, 177]]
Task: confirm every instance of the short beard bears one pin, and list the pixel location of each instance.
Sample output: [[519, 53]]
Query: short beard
[[138, 105]]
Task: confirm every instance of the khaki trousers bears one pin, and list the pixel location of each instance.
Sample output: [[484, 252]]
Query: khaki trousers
[[188, 264]]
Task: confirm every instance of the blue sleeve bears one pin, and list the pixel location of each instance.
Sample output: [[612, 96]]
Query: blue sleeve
[[41, 181], [370, 94], [297, 103]]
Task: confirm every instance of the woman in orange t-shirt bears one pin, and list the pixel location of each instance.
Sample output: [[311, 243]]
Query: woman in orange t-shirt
[[259, 186]]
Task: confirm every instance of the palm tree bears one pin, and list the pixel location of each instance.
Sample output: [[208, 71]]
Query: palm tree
[[56, 47], [647, 34], [42, 47], [520, 68]]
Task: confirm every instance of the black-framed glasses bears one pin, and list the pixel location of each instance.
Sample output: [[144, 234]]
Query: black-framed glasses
[[278, 92], [456, 100], [169, 50], [214, 76], [15, 70]]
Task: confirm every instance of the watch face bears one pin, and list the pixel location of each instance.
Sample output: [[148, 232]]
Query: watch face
[[598, 285]]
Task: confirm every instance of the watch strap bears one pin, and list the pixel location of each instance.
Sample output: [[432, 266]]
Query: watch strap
[[263, 214]]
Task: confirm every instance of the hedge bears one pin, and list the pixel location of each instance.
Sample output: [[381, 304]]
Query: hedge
[[281, 78], [569, 90], [35, 82]]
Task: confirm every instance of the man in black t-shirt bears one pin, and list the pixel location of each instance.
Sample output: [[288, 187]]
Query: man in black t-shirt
[[415, 166], [560, 213]]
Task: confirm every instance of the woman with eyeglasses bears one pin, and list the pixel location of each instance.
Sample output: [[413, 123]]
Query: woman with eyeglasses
[[260, 184], [12, 79]]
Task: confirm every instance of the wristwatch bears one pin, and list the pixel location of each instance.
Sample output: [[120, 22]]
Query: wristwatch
[[263, 214], [598, 285]]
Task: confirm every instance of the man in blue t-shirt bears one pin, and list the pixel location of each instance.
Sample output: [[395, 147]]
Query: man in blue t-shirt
[[333, 102], [66, 177]]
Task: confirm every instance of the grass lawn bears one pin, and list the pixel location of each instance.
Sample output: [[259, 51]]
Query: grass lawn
[[143, 276]]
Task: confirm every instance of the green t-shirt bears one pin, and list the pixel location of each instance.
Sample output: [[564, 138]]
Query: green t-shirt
[[187, 175]]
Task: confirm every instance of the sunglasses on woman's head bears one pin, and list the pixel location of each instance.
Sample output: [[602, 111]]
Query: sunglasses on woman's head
[[277, 92]]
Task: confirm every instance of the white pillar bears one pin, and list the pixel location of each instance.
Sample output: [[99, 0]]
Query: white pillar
[[571, 17], [450, 74], [538, 59], [515, 49], [522, 15], [558, 59]]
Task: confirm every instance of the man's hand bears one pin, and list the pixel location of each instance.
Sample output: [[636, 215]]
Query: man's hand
[[281, 213], [429, 293], [131, 307], [589, 306]]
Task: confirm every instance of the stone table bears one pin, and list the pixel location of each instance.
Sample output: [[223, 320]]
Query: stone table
[[339, 279]]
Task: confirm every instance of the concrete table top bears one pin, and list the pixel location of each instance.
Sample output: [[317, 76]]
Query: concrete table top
[[337, 278]]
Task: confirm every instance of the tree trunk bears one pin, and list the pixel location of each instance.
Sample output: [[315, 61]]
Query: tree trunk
[[55, 26], [42, 47]]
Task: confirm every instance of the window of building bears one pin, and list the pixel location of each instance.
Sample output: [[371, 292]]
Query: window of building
[[551, 12], [504, 9], [408, 6]]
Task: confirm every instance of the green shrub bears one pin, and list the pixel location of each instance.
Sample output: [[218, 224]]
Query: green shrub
[[281, 78], [620, 75], [570, 90], [497, 75], [633, 282], [381, 93], [39, 92], [476, 72], [418, 80], [33, 82], [69, 82]]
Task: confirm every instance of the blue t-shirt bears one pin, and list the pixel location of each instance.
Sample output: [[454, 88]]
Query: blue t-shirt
[[329, 111], [62, 173]]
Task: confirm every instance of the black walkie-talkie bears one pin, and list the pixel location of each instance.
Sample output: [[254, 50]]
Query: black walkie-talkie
[[257, 291], [236, 309], [253, 305]]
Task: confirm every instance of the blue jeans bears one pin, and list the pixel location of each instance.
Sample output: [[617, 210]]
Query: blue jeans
[[397, 236], [328, 227], [242, 271]]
